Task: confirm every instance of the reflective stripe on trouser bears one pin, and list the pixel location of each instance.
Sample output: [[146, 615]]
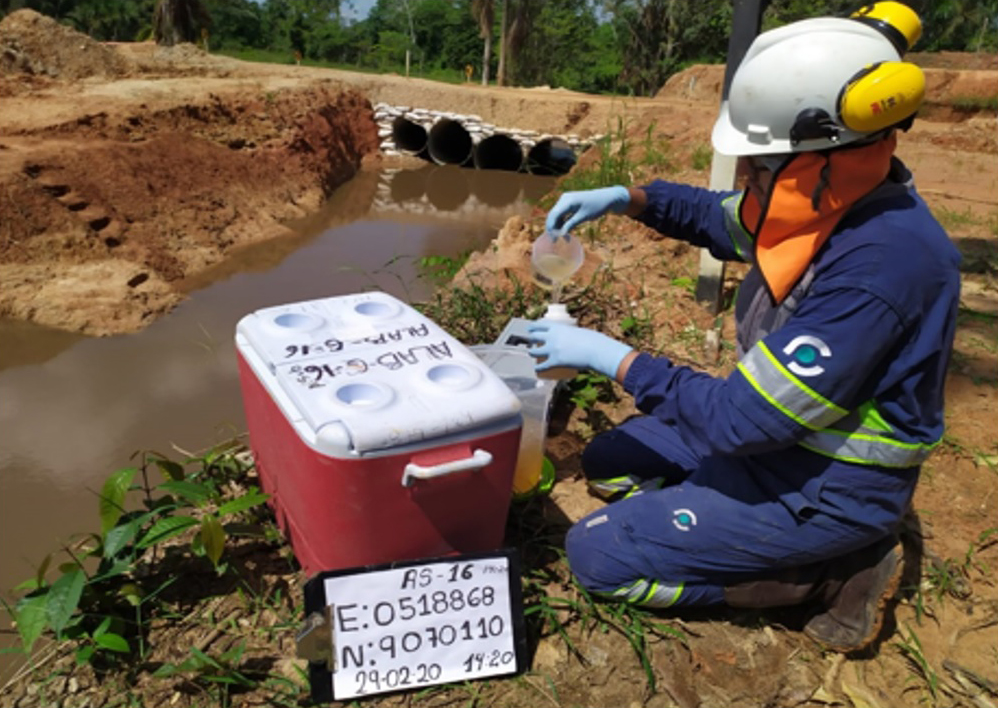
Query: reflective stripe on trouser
[[733, 520], [647, 593], [627, 486]]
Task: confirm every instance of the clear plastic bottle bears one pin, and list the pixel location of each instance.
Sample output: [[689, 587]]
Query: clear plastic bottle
[[557, 312]]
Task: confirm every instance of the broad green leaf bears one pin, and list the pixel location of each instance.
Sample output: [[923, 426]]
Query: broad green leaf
[[166, 528], [246, 501], [119, 537], [112, 497], [191, 491], [170, 469], [113, 642], [212, 538], [31, 617], [63, 598]]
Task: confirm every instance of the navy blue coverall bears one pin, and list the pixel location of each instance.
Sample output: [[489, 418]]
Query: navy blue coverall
[[811, 447]]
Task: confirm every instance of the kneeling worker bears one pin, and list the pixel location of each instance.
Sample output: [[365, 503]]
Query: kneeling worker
[[785, 482]]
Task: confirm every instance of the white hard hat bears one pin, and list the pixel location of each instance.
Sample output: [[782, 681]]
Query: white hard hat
[[787, 94]]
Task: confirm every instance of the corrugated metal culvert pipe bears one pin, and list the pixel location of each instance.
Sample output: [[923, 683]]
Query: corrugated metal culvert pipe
[[499, 152], [410, 137], [449, 143], [551, 156], [446, 138]]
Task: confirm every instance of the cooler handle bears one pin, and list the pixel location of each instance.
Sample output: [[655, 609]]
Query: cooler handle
[[478, 459]]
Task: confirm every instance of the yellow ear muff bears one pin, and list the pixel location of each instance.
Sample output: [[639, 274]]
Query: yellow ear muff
[[895, 20], [880, 96]]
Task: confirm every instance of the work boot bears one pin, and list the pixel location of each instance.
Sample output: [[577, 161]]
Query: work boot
[[855, 609], [788, 587], [852, 593]]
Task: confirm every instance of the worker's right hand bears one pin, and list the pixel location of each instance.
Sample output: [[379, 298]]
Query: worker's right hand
[[560, 345], [573, 208]]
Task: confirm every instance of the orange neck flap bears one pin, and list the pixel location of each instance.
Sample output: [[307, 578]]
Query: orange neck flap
[[790, 228]]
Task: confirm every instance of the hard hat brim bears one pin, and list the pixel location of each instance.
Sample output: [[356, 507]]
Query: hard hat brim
[[729, 140]]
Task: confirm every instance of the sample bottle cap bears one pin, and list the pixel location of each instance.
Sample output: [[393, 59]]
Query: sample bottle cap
[[558, 312]]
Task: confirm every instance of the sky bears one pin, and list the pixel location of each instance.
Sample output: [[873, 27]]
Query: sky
[[356, 9]]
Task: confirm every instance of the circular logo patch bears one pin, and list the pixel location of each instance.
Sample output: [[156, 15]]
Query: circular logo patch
[[684, 519]]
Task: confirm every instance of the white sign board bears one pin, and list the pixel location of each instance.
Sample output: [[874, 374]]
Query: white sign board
[[422, 624]]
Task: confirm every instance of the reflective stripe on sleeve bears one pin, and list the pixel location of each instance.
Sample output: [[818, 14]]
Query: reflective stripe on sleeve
[[740, 238], [860, 437], [786, 392], [866, 449]]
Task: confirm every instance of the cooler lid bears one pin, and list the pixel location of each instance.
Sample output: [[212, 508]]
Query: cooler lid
[[386, 373]]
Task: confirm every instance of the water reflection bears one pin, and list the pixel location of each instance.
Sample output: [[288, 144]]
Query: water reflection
[[450, 189], [25, 343], [74, 409]]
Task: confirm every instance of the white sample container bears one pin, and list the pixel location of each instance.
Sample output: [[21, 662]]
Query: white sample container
[[516, 368]]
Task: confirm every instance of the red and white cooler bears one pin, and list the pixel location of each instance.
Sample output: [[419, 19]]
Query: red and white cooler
[[379, 436]]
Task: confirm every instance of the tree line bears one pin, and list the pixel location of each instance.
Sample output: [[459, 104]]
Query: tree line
[[598, 46]]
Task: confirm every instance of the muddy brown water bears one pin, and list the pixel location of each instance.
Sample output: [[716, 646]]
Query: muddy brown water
[[74, 409]]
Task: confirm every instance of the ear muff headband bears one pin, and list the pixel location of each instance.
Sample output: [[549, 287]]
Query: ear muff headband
[[895, 20], [880, 95]]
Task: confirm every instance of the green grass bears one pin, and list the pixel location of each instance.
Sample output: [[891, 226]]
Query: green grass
[[975, 103], [952, 219], [911, 649], [657, 152], [702, 157], [614, 163]]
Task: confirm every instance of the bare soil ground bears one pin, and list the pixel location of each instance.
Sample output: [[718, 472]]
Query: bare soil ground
[[126, 170]]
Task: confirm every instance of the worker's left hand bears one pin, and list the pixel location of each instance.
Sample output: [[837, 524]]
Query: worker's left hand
[[575, 347], [573, 208]]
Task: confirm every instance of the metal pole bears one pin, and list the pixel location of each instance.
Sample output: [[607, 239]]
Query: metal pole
[[745, 22]]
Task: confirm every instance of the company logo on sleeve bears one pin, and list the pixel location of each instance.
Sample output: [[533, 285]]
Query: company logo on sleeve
[[684, 519], [805, 352]]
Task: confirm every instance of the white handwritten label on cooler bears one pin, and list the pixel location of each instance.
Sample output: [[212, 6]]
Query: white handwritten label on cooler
[[421, 625]]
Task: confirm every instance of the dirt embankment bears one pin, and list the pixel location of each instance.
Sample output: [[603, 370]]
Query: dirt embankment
[[108, 210]]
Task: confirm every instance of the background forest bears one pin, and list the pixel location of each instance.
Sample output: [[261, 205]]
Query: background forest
[[596, 46]]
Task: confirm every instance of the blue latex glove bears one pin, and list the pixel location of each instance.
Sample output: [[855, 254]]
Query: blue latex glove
[[573, 208], [575, 347]]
